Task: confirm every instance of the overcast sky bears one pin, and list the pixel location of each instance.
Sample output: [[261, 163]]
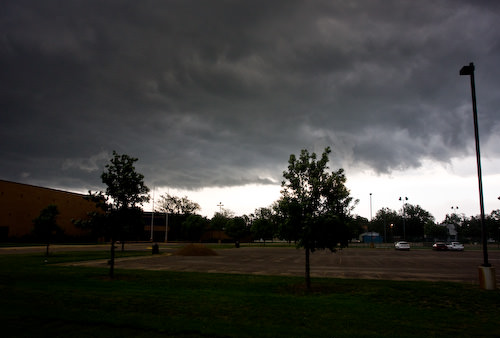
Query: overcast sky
[[212, 95]]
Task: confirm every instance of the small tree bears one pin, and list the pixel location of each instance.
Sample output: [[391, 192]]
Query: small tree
[[45, 225], [126, 188], [315, 204], [237, 228], [262, 225]]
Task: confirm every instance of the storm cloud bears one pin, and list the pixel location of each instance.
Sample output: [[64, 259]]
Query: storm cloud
[[220, 93]]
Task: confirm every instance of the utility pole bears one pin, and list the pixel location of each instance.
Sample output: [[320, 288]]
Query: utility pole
[[220, 205]]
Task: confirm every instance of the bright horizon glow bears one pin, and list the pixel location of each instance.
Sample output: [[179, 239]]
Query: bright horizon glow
[[435, 187], [436, 190]]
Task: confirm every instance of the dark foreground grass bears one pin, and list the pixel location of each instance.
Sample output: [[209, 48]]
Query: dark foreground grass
[[49, 300]]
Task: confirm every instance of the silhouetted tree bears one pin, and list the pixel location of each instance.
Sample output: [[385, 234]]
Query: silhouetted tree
[[383, 220], [357, 225], [220, 219], [470, 229], [177, 205], [493, 224], [194, 226], [237, 228], [288, 215], [453, 218], [262, 224], [126, 189], [45, 225], [415, 220], [436, 232], [315, 205], [178, 210]]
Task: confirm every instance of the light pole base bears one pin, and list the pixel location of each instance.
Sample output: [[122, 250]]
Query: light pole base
[[487, 277]]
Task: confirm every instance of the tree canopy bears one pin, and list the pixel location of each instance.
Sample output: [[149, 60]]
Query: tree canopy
[[194, 226], [416, 219], [263, 225], [124, 185], [177, 205]]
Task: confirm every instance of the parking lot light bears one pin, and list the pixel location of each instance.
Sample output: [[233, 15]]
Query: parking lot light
[[469, 70]]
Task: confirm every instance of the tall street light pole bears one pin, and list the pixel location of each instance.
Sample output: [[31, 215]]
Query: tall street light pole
[[469, 70], [371, 225], [404, 199], [166, 226], [152, 216], [370, 207]]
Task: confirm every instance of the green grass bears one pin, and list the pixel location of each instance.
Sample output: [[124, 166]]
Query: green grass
[[51, 300]]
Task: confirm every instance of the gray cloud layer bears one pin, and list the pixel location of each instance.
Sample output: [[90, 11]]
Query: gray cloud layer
[[220, 93]]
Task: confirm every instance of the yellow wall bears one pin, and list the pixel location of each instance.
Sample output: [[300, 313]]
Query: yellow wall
[[21, 203]]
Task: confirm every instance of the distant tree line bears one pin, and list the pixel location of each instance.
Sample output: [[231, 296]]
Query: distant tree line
[[308, 191], [314, 212], [417, 224]]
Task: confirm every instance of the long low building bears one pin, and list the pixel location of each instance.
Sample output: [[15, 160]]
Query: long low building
[[21, 203]]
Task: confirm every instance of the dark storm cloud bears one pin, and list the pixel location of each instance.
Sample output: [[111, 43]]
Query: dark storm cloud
[[220, 93]]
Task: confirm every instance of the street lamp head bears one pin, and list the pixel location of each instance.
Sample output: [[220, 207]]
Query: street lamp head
[[467, 70]]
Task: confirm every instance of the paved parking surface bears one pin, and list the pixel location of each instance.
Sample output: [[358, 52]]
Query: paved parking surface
[[348, 263]]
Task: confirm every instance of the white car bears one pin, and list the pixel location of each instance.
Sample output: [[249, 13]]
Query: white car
[[402, 246], [455, 246]]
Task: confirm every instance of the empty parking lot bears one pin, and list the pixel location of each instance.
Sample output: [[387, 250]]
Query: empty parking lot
[[423, 264]]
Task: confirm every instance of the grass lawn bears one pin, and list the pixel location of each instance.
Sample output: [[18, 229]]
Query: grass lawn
[[50, 300]]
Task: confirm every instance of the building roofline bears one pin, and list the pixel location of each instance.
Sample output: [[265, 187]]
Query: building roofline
[[40, 187]]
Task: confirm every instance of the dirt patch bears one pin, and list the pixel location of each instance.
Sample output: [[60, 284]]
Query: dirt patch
[[195, 250]]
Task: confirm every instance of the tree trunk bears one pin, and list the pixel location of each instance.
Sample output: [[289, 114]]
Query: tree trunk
[[47, 250], [308, 270], [112, 260]]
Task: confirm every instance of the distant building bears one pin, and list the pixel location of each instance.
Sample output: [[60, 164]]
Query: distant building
[[21, 203], [159, 220], [452, 232], [370, 237]]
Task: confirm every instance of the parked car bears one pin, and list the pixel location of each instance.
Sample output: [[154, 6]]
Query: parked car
[[439, 246], [402, 246], [455, 246]]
